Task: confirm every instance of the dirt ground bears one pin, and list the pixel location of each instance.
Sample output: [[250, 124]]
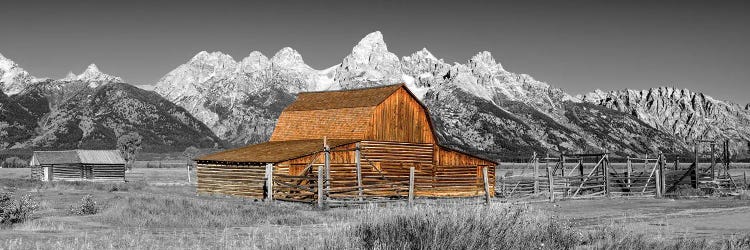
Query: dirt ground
[[668, 218]]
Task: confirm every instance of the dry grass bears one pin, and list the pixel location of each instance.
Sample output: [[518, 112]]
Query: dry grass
[[143, 216], [448, 227], [180, 212]]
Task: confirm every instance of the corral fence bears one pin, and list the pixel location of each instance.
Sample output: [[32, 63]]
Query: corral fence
[[373, 179], [575, 176]]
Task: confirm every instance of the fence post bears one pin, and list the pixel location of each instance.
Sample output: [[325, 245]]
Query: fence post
[[358, 160], [630, 172], [327, 165], [605, 164], [320, 187], [269, 182], [536, 173], [662, 164], [188, 170], [658, 183], [713, 160], [486, 186], [411, 186], [695, 149], [551, 184]]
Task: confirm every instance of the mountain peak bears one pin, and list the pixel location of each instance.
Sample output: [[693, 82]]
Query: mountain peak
[[425, 54], [92, 68], [287, 57], [13, 79], [373, 38], [212, 57], [253, 62], [373, 42], [70, 76], [95, 77], [485, 59]]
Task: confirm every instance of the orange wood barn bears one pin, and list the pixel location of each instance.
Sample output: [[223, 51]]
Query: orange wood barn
[[348, 145]]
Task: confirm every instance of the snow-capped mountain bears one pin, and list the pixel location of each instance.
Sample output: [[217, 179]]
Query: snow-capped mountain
[[91, 111], [95, 78], [370, 63], [13, 78], [478, 105], [492, 110], [685, 114], [240, 101]]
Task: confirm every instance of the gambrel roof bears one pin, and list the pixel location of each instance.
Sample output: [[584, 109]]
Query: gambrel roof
[[343, 114]]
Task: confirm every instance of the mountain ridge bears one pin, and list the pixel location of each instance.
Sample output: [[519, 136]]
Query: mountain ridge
[[480, 105]]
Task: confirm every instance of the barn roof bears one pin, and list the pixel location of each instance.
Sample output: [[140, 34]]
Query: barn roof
[[107, 157], [274, 151], [353, 98], [340, 114]]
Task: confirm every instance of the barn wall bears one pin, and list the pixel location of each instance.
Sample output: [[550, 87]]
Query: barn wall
[[108, 172], [461, 174], [244, 181], [67, 172], [400, 118], [449, 157]]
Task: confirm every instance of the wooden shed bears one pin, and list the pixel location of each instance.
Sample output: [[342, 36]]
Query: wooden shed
[[354, 144], [78, 165]]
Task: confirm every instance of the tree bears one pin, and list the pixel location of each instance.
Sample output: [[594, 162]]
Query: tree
[[129, 145], [190, 153]]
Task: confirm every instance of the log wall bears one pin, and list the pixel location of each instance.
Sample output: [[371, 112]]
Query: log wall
[[385, 170], [67, 172], [237, 180], [107, 172]]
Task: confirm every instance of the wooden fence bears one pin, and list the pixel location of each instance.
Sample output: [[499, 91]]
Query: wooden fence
[[558, 179]]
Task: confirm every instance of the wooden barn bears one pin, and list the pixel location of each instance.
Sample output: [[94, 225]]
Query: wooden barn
[[370, 143], [78, 165]]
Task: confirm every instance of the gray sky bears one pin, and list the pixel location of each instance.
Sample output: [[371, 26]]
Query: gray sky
[[578, 46]]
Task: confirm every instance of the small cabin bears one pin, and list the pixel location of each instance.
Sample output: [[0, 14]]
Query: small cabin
[[78, 165], [371, 142]]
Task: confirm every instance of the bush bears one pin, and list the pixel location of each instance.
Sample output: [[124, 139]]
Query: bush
[[87, 206], [16, 210], [14, 162]]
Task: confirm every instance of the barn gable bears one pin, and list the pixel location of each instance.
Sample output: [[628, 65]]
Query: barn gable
[[402, 118], [386, 113]]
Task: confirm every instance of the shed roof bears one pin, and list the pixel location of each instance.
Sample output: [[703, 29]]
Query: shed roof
[[105, 157], [274, 151]]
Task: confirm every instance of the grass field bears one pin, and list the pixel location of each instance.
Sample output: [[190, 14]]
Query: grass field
[[149, 214]]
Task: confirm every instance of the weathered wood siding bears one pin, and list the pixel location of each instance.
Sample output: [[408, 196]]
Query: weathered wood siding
[[77, 172], [107, 172], [400, 118], [67, 172], [244, 181], [446, 156]]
